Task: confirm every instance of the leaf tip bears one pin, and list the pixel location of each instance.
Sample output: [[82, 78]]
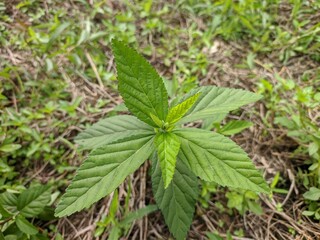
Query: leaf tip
[[116, 45], [166, 184]]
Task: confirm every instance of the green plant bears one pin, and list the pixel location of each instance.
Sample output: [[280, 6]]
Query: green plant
[[17, 208], [179, 155], [293, 106], [244, 201], [312, 197], [215, 236]]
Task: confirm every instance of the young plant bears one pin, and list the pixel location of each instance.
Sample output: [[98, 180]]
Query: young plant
[[16, 209], [179, 155]]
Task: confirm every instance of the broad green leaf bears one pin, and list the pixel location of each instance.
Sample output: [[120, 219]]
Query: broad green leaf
[[168, 145], [216, 158], [104, 170], [4, 213], [308, 213], [140, 85], [215, 100], [313, 194], [177, 202], [10, 147], [25, 226], [234, 126], [9, 201], [32, 201], [178, 111], [110, 130]]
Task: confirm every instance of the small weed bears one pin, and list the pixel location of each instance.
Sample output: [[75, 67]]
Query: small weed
[[122, 143]]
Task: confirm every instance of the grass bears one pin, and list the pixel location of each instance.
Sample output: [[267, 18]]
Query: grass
[[57, 76]]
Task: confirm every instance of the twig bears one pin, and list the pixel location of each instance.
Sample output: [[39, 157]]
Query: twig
[[94, 68]]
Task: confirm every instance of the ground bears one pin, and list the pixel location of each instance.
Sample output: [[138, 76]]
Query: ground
[[58, 76]]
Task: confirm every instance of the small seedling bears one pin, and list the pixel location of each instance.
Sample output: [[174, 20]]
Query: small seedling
[[179, 155], [16, 209]]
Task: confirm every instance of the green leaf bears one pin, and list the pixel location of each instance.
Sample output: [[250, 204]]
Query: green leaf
[[234, 126], [255, 207], [110, 130], [4, 213], [216, 158], [140, 85], [285, 122], [9, 201], [313, 194], [308, 213], [25, 226], [32, 201], [178, 111], [115, 233], [113, 209], [136, 215], [10, 147], [47, 214], [57, 32], [313, 148], [213, 236], [103, 171], [235, 200], [215, 100], [177, 202], [208, 123], [168, 145], [156, 120]]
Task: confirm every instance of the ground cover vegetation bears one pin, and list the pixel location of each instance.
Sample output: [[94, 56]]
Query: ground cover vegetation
[[58, 77]]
